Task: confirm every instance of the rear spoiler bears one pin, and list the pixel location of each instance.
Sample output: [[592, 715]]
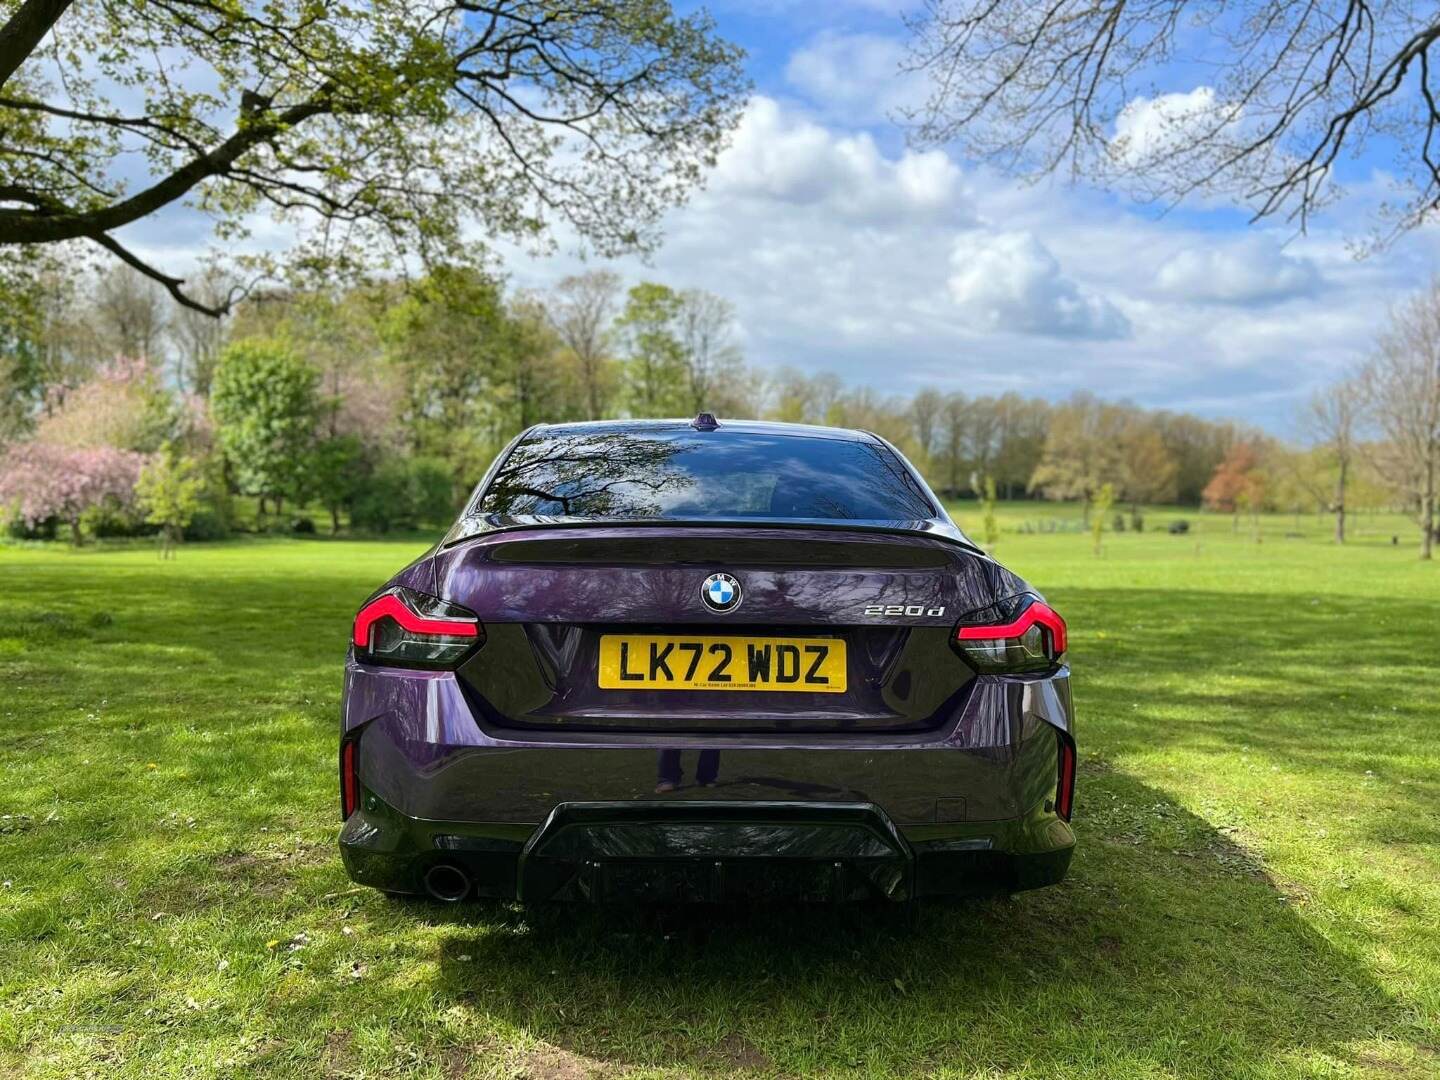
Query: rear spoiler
[[471, 526]]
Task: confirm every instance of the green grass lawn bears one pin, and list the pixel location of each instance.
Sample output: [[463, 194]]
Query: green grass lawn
[[1256, 891]]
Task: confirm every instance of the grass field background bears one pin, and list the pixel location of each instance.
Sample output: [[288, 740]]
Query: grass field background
[[1256, 891]]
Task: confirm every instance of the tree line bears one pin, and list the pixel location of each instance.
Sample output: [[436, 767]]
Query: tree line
[[382, 403]]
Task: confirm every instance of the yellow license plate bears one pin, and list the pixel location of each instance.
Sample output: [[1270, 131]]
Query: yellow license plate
[[676, 662]]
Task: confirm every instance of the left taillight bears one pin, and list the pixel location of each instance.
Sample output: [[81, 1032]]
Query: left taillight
[[405, 628], [1013, 636], [349, 775]]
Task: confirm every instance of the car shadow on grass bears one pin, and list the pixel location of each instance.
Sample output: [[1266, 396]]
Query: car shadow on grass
[[1180, 956]]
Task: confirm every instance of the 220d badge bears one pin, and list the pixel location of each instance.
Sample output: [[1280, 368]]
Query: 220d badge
[[567, 699]]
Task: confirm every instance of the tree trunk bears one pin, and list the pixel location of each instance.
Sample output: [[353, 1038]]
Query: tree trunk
[[592, 394], [260, 509], [1340, 502], [334, 520]]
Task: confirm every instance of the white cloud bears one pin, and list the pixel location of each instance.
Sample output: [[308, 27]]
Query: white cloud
[[1149, 129], [854, 78], [1010, 282], [778, 156], [1251, 271], [896, 270]]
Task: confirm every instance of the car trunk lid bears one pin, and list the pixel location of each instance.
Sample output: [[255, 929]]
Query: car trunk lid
[[550, 599]]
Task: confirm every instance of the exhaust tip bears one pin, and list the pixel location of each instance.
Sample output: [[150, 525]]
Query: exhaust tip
[[446, 883]]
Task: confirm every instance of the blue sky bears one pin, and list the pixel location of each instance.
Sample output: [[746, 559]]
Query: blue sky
[[845, 250]]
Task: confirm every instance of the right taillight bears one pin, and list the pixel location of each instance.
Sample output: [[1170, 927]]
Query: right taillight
[[1016, 635]]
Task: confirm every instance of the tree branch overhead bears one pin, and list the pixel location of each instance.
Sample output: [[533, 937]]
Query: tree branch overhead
[[505, 119]]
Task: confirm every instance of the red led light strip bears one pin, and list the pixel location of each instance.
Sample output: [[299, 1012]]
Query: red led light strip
[[349, 782], [1065, 792], [393, 607], [1037, 613]]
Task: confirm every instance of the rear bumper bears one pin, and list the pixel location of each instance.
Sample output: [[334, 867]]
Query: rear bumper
[[577, 815], [703, 852]]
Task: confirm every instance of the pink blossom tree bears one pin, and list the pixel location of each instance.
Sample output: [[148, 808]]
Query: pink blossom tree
[[41, 481], [123, 405]]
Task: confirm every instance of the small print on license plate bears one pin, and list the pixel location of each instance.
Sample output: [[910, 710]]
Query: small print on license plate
[[671, 662]]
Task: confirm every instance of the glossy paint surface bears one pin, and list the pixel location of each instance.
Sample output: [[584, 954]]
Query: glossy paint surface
[[790, 577], [426, 753]]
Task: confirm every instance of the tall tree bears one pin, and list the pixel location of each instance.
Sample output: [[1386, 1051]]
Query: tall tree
[[1290, 90], [792, 397], [448, 335], [196, 336], [1147, 472], [705, 327], [1402, 387], [925, 408], [1081, 451], [1239, 482], [982, 435], [1332, 418], [129, 313], [953, 420], [581, 309], [654, 364], [264, 406], [1197, 447], [23, 374], [390, 127], [537, 368], [1023, 424], [168, 490], [123, 405]]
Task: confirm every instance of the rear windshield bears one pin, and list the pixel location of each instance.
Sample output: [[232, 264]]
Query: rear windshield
[[684, 475]]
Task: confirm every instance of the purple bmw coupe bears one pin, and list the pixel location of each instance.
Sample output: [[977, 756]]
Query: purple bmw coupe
[[671, 660]]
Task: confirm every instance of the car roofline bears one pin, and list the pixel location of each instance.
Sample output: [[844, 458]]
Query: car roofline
[[781, 428]]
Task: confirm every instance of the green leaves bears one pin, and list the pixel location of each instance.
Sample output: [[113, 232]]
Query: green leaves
[[379, 134], [264, 404]]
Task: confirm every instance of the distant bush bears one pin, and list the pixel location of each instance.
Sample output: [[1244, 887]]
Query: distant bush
[[207, 524], [20, 529], [434, 489], [110, 522], [1178, 528], [1051, 525], [384, 502], [403, 494], [303, 526]]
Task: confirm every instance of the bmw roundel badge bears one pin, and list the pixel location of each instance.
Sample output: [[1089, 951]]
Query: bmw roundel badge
[[721, 592]]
